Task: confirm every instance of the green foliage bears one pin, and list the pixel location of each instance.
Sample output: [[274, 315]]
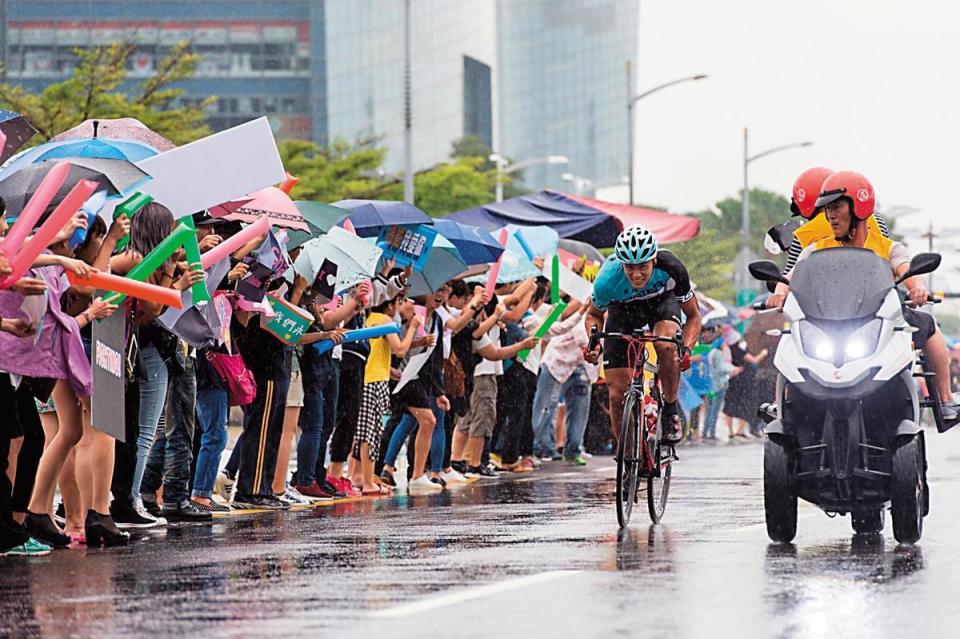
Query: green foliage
[[766, 209], [94, 91], [454, 186]]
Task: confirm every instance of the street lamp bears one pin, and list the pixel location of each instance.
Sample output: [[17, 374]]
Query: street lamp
[[631, 100], [580, 184], [743, 274], [504, 167]]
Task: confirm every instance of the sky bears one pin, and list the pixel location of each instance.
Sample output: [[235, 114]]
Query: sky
[[872, 83]]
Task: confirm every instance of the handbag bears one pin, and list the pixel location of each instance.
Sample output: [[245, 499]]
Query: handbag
[[241, 386]]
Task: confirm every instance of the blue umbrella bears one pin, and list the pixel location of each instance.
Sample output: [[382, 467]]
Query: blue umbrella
[[475, 245], [443, 264], [102, 148], [370, 216]]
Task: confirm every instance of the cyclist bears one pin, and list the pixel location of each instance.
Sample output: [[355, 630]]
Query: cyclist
[[847, 200], [640, 286]]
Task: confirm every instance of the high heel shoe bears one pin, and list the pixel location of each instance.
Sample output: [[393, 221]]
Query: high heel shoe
[[101, 531], [42, 528]]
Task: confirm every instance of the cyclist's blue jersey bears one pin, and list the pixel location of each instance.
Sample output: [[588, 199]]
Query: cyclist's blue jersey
[[669, 277]]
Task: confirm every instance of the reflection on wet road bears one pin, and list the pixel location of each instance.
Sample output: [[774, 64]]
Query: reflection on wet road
[[538, 555]]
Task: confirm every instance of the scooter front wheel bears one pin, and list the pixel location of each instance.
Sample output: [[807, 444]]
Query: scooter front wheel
[[779, 497], [907, 487]]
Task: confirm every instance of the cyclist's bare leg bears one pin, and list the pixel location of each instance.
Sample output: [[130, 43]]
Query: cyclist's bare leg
[[618, 382], [668, 362]]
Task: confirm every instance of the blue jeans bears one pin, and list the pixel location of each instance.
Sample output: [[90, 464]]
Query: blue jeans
[[172, 453], [321, 390], [438, 440], [153, 396], [576, 396], [212, 411], [713, 413]]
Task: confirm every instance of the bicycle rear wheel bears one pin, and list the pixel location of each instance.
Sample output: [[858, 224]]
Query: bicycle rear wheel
[[658, 483], [628, 458]]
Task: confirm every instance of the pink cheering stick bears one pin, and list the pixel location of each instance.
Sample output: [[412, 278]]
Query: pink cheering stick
[[53, 225], [235, 242], [349, 227], [28, 217], [495, 271]]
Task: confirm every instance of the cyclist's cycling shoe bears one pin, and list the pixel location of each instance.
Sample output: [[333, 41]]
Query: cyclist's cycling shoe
[[670, 423]]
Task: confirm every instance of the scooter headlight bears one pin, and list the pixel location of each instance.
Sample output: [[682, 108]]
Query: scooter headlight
[[838, 342]]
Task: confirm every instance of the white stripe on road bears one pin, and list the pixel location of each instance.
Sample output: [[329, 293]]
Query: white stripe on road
[[469, 594]]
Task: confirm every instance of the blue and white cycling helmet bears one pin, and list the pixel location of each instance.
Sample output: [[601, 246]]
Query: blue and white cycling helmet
[[636, 245]]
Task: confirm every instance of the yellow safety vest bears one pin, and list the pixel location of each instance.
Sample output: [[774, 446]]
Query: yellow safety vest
[[819, 227], [880, 245]]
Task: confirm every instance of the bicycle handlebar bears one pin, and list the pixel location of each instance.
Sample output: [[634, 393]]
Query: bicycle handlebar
[[637, 335]]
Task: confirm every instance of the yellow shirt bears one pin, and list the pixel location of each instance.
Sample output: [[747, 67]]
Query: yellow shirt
[[875, 242], [378, 361], [819, 228]]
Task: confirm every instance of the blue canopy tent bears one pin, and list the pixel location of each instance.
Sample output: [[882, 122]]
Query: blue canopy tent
[[569, 218]]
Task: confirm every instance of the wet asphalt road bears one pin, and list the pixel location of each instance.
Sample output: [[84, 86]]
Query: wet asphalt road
[[537, 555]]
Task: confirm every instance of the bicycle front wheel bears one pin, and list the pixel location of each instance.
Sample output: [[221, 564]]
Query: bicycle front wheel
[[658, 483], [628, 458]]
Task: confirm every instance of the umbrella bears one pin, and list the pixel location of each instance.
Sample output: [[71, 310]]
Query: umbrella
[[443, 264], [228, 207], [475, 245], [370, 216], [275, 205], [115, 176], [356, 259], [118, 129], [582, 248], [319, 217], [17, 131], [96, 148]]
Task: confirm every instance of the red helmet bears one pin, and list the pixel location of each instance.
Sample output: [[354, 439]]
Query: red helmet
[[806, 189], [853, 186]]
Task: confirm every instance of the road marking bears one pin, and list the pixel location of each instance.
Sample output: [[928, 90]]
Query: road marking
[[469, 594]]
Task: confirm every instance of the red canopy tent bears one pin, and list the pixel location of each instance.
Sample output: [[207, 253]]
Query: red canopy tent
[[667, 227]]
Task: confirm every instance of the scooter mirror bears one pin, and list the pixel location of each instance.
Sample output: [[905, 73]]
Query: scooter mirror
[[766, 271], [921, 264]]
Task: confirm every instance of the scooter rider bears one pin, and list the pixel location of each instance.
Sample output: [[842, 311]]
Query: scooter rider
[[806, 190], [847, 200], [642, 285]]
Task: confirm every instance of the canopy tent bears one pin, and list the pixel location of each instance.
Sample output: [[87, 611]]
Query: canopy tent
[[577, 217], [668, 227]]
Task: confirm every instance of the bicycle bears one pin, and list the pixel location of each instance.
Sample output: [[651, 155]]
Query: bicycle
[[640, 452]]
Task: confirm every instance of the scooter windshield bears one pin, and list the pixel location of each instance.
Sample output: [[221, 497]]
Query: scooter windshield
[[841, 283]]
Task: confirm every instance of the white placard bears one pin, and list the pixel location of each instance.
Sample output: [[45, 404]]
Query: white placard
[[212, 170], [570, 283]]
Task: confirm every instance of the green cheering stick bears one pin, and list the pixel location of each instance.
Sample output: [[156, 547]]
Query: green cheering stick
[[128, 207], [155, 258], [192, 249], [555, 283], [547, 323]]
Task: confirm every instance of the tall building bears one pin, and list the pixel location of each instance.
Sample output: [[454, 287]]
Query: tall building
[[562, 85], [529, 77]]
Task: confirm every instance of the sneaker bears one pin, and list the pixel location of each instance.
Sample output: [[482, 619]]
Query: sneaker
[[672, 428], [186, 512], [544, 458], [440, 481], [452, 477], [330, 488], [950, 410], [316, 492], [152, 507], [423, 486], [141, 508], [496, 460], [224, 486], [577, 461], [518, 467], [386, 477], [259, 502], [212, 507], [60, 515], [534, 461], [348, 488], [292, 497], [29, 548], [127, 515], [459, 466], [481, 472]]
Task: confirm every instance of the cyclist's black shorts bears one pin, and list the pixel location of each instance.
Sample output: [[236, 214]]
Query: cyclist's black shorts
[[624, 318]]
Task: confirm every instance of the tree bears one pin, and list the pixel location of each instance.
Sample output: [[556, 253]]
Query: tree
[[766, 210], [94, 91]]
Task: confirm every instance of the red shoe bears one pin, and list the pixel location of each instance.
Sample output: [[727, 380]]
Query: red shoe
[[349, 488], [314, 491]]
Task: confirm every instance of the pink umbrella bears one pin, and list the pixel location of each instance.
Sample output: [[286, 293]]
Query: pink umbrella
[[118, 129], [275, 205], [228, 207]]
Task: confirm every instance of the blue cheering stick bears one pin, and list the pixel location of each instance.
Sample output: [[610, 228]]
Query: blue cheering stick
[[359, 334], [91, 207]]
